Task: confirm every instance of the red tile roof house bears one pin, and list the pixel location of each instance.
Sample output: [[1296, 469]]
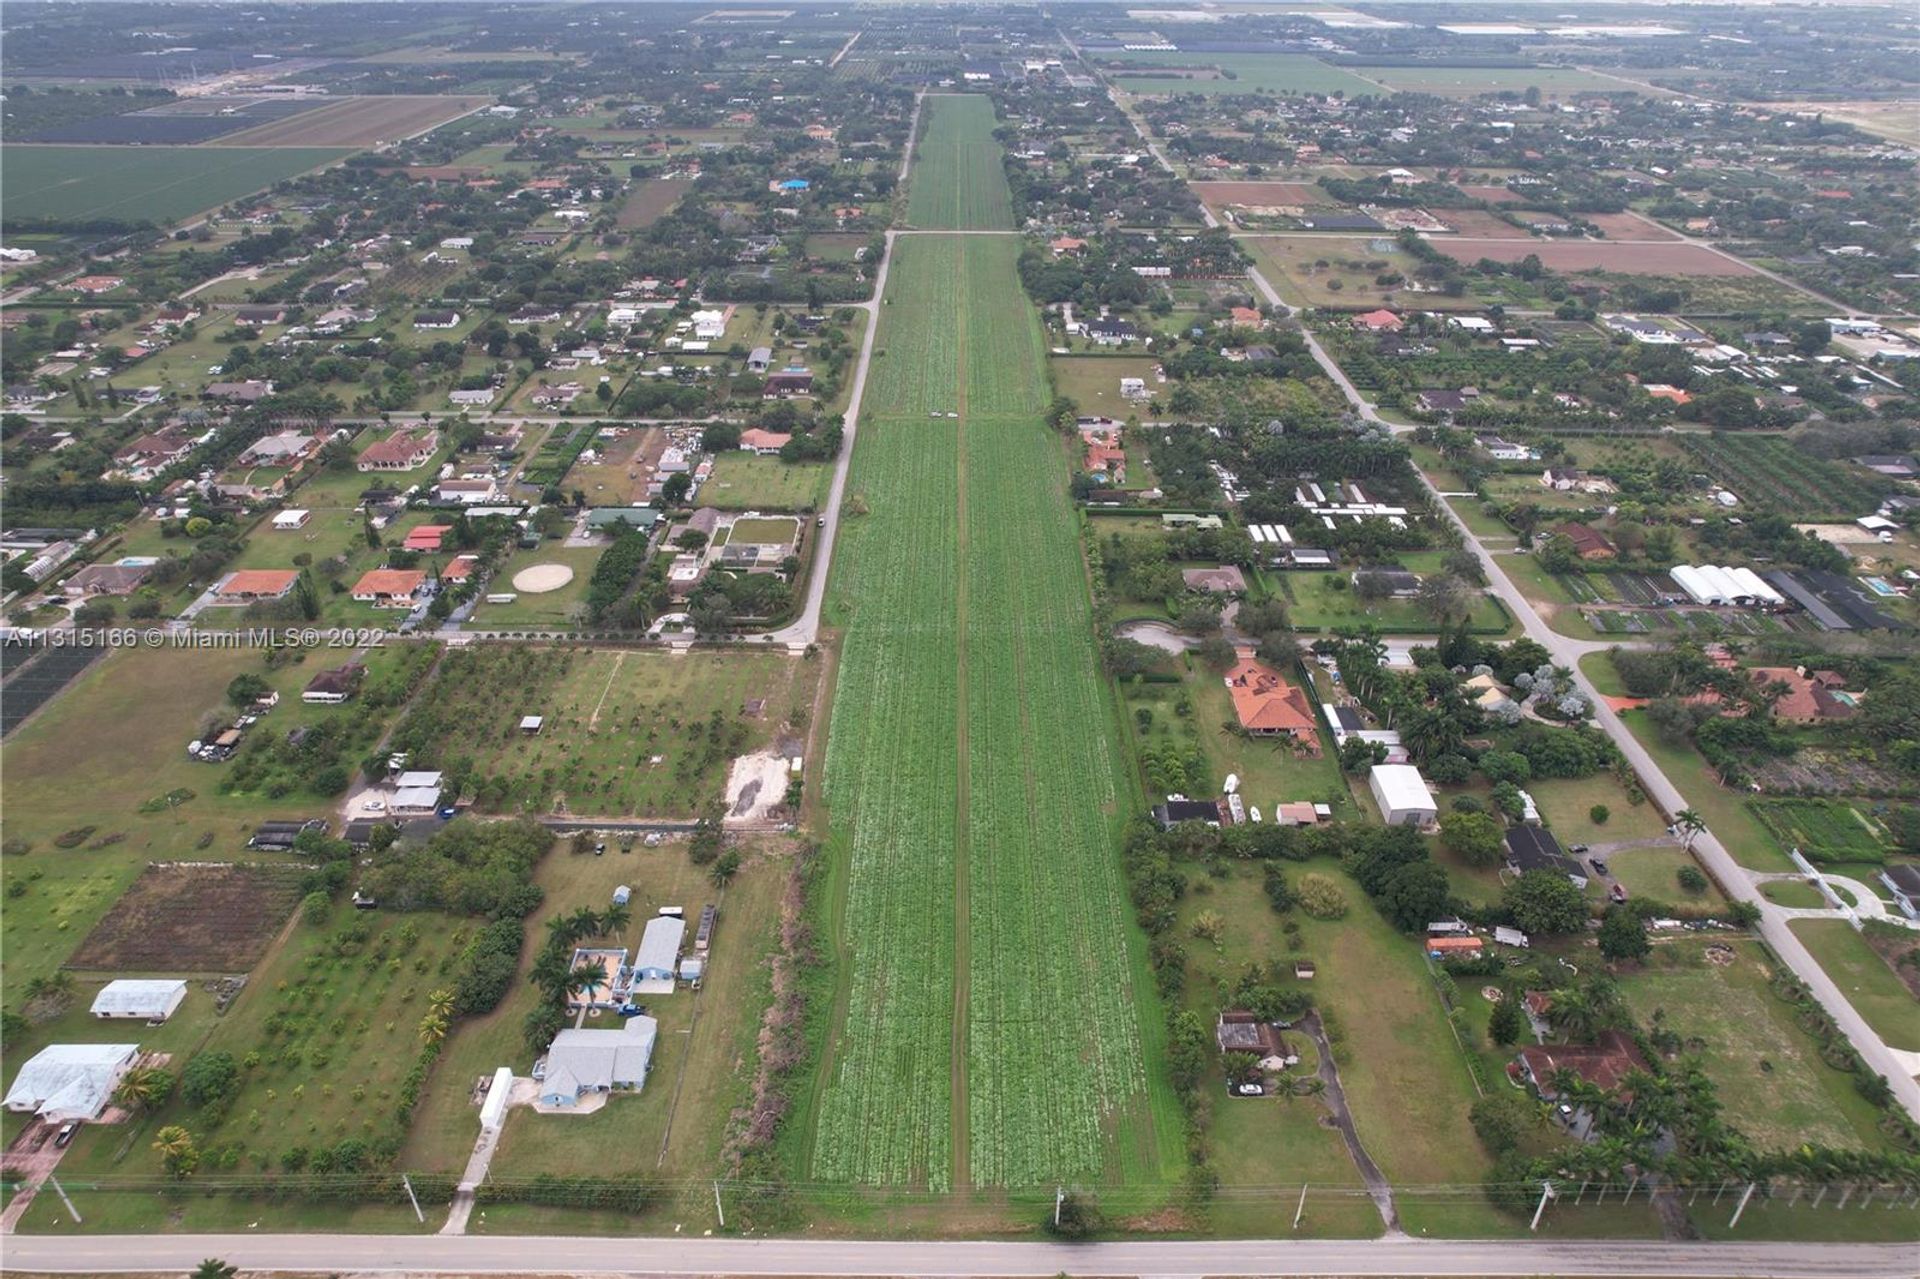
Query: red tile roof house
[[153, 453], [1588, 542], [764, 443], [1107, 459], [1246, 317], [251, 584], [460, 568], [402, 451], [389, 587], [427, 537], [97, 283], [1605, 1064], [1267, 705], [1381, 321]]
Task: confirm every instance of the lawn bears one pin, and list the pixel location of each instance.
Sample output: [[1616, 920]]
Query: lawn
[[1283, 73], [556, 608], [1316, 603], [1869, 985], [1093, 382], [136, 184], [743, 481], [1769, 1075], [1291, 265], [958, 183], [642, 734], [1466, 82], [1725, 813]]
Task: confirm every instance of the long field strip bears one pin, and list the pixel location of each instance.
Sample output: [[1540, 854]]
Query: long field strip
[[160, 184], [990, 1008], [958, 181]]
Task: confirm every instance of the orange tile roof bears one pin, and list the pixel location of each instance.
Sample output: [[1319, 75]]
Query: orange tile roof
[[427, 537], [1265, 702], [460, 568], [389, 581], [259, 581]]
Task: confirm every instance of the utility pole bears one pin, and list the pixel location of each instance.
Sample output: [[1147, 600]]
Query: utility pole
[[413, 1198], [719, 1208], [1301, 1210], [1546, 1193], [1059, 1197], [61, 1191], [1745, 1195]]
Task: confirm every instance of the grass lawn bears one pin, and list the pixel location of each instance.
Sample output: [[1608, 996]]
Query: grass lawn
[[1284, 73], [1724, 812], [1771, 1080], [1792, 892], [1347, 281], [1869, 985], [550, 608], [1565, 803], [744, 481], [1093, 382], [1314, 603], [163, 184]]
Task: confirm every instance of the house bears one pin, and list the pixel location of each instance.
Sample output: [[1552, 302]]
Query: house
[[1267, 705], [1441, 947], [404, 450], [332, 687], [248, 392], [1239, 1031], [389, 587], [1245, 317], [1224, 580], [1111, 331], [151, 454], [291, 520], [1065, 244], [1395, 582], [1561, 479], [786, 383], [148, 1001], [759, 359], [1535, 848], [282, 449], [1903, 881], [1895, 466], [460, 568], [255, 316], [250, 584], [1179, 809], [1507, 451], [427, 537], [106, 579], [465, 492], [1381, 321], [1487, 693], [763, 443], [1804, 699], [659, 952], [1588, 543], [66, 1082], [1603, 1064], [709, 326], [1105, 459], [471, 398], [1445, 403], [1402, 795], [436, 319], [581, 1061]]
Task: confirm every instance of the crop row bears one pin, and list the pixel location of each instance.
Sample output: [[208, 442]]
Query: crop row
[[958, 181], [1768, 470]]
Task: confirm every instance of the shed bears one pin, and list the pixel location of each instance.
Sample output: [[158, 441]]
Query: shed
[[530, 724], [1402, 795], [145, 1000], [622, 895], [287, 521], [493, 1111], [659, 949]]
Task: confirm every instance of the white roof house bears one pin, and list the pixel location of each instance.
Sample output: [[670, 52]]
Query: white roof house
[[287, 521], [147, 1000], [64, 1082], [659, 948], [415, 800], [584, 1061], [422, 777], [1402, 795]]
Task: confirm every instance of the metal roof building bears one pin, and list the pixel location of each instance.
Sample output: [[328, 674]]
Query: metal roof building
[[145, 1000], [63, 1082], [659, 952]]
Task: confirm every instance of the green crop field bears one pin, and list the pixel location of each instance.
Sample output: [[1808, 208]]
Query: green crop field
[[1224, 73], [990, 998], [1768, 469], [1824, 830], [958, 183], [1466, 82], [157, 184]]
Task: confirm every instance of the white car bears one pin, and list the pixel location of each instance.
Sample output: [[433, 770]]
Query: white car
[[375, 806]]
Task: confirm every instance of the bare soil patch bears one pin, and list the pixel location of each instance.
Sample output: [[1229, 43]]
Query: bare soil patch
[[192, 917], [357, 122], [1218, 195], [1629, 226], [650, 201], [1481, 224]]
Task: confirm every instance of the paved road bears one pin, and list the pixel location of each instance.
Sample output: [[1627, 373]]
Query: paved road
[[472, 1254], [805, 629]]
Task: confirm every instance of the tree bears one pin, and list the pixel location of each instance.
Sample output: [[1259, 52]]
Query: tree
[[1414, 894], [1692, 879], [1475, 837], [213, 1268], [1502, 1118], [1320, 897], [1598, 814], [1623, 935], [1076, 1216], [1506, 1023], [210, 1078], [1690, 824], [247, 688], [1546, 902], [1556, 555], [143, 1088], [178, 1155]]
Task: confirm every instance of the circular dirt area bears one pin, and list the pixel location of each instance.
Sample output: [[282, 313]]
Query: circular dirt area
[[1719, 956], [541, 578], [1492, 994]]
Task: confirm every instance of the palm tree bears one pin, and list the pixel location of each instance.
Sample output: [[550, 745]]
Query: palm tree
[[440, 1004], [1690, 824], [433, 1028], [614, 919], [214, 1268], [586, 982], [143, 1088]]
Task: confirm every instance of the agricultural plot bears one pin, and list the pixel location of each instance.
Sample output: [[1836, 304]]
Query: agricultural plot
[[1767, 469], [742, 481], [1825, 831], [1224, 73], [174, 124], [1341, 272], [958, 182], [1468, 82], [192, 919], [987, 1024], [136, 184], [358, 122], [624, 734], [1601, 255], [650, 200]]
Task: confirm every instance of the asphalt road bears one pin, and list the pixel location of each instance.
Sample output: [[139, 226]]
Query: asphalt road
[[418, 1254]]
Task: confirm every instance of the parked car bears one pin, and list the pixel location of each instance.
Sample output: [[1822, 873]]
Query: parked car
[[65, 1134], [1618, 892], [1579, 848], [1599, 866], [1249, 1090]]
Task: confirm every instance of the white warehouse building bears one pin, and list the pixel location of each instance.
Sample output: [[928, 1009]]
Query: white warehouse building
[[1699, 588], [1402, 795], [1718, 585]]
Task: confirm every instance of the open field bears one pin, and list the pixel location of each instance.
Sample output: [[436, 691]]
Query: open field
[[1467, 82], [1222, 73], [1093, 382], [650, 201], [1873, 989], [156, 184], [1776, 1089], [1629, 226], [357, 122], [625, 734], [192, 919], [1009, 1042], [958, 184], [742, 481], [1218, 195], [1600, 255], [1896, 118], [1290, 265]]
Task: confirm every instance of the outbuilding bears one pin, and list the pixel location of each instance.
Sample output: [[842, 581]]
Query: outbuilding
[[659, 954], [149, 1001], [1402, 795]]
